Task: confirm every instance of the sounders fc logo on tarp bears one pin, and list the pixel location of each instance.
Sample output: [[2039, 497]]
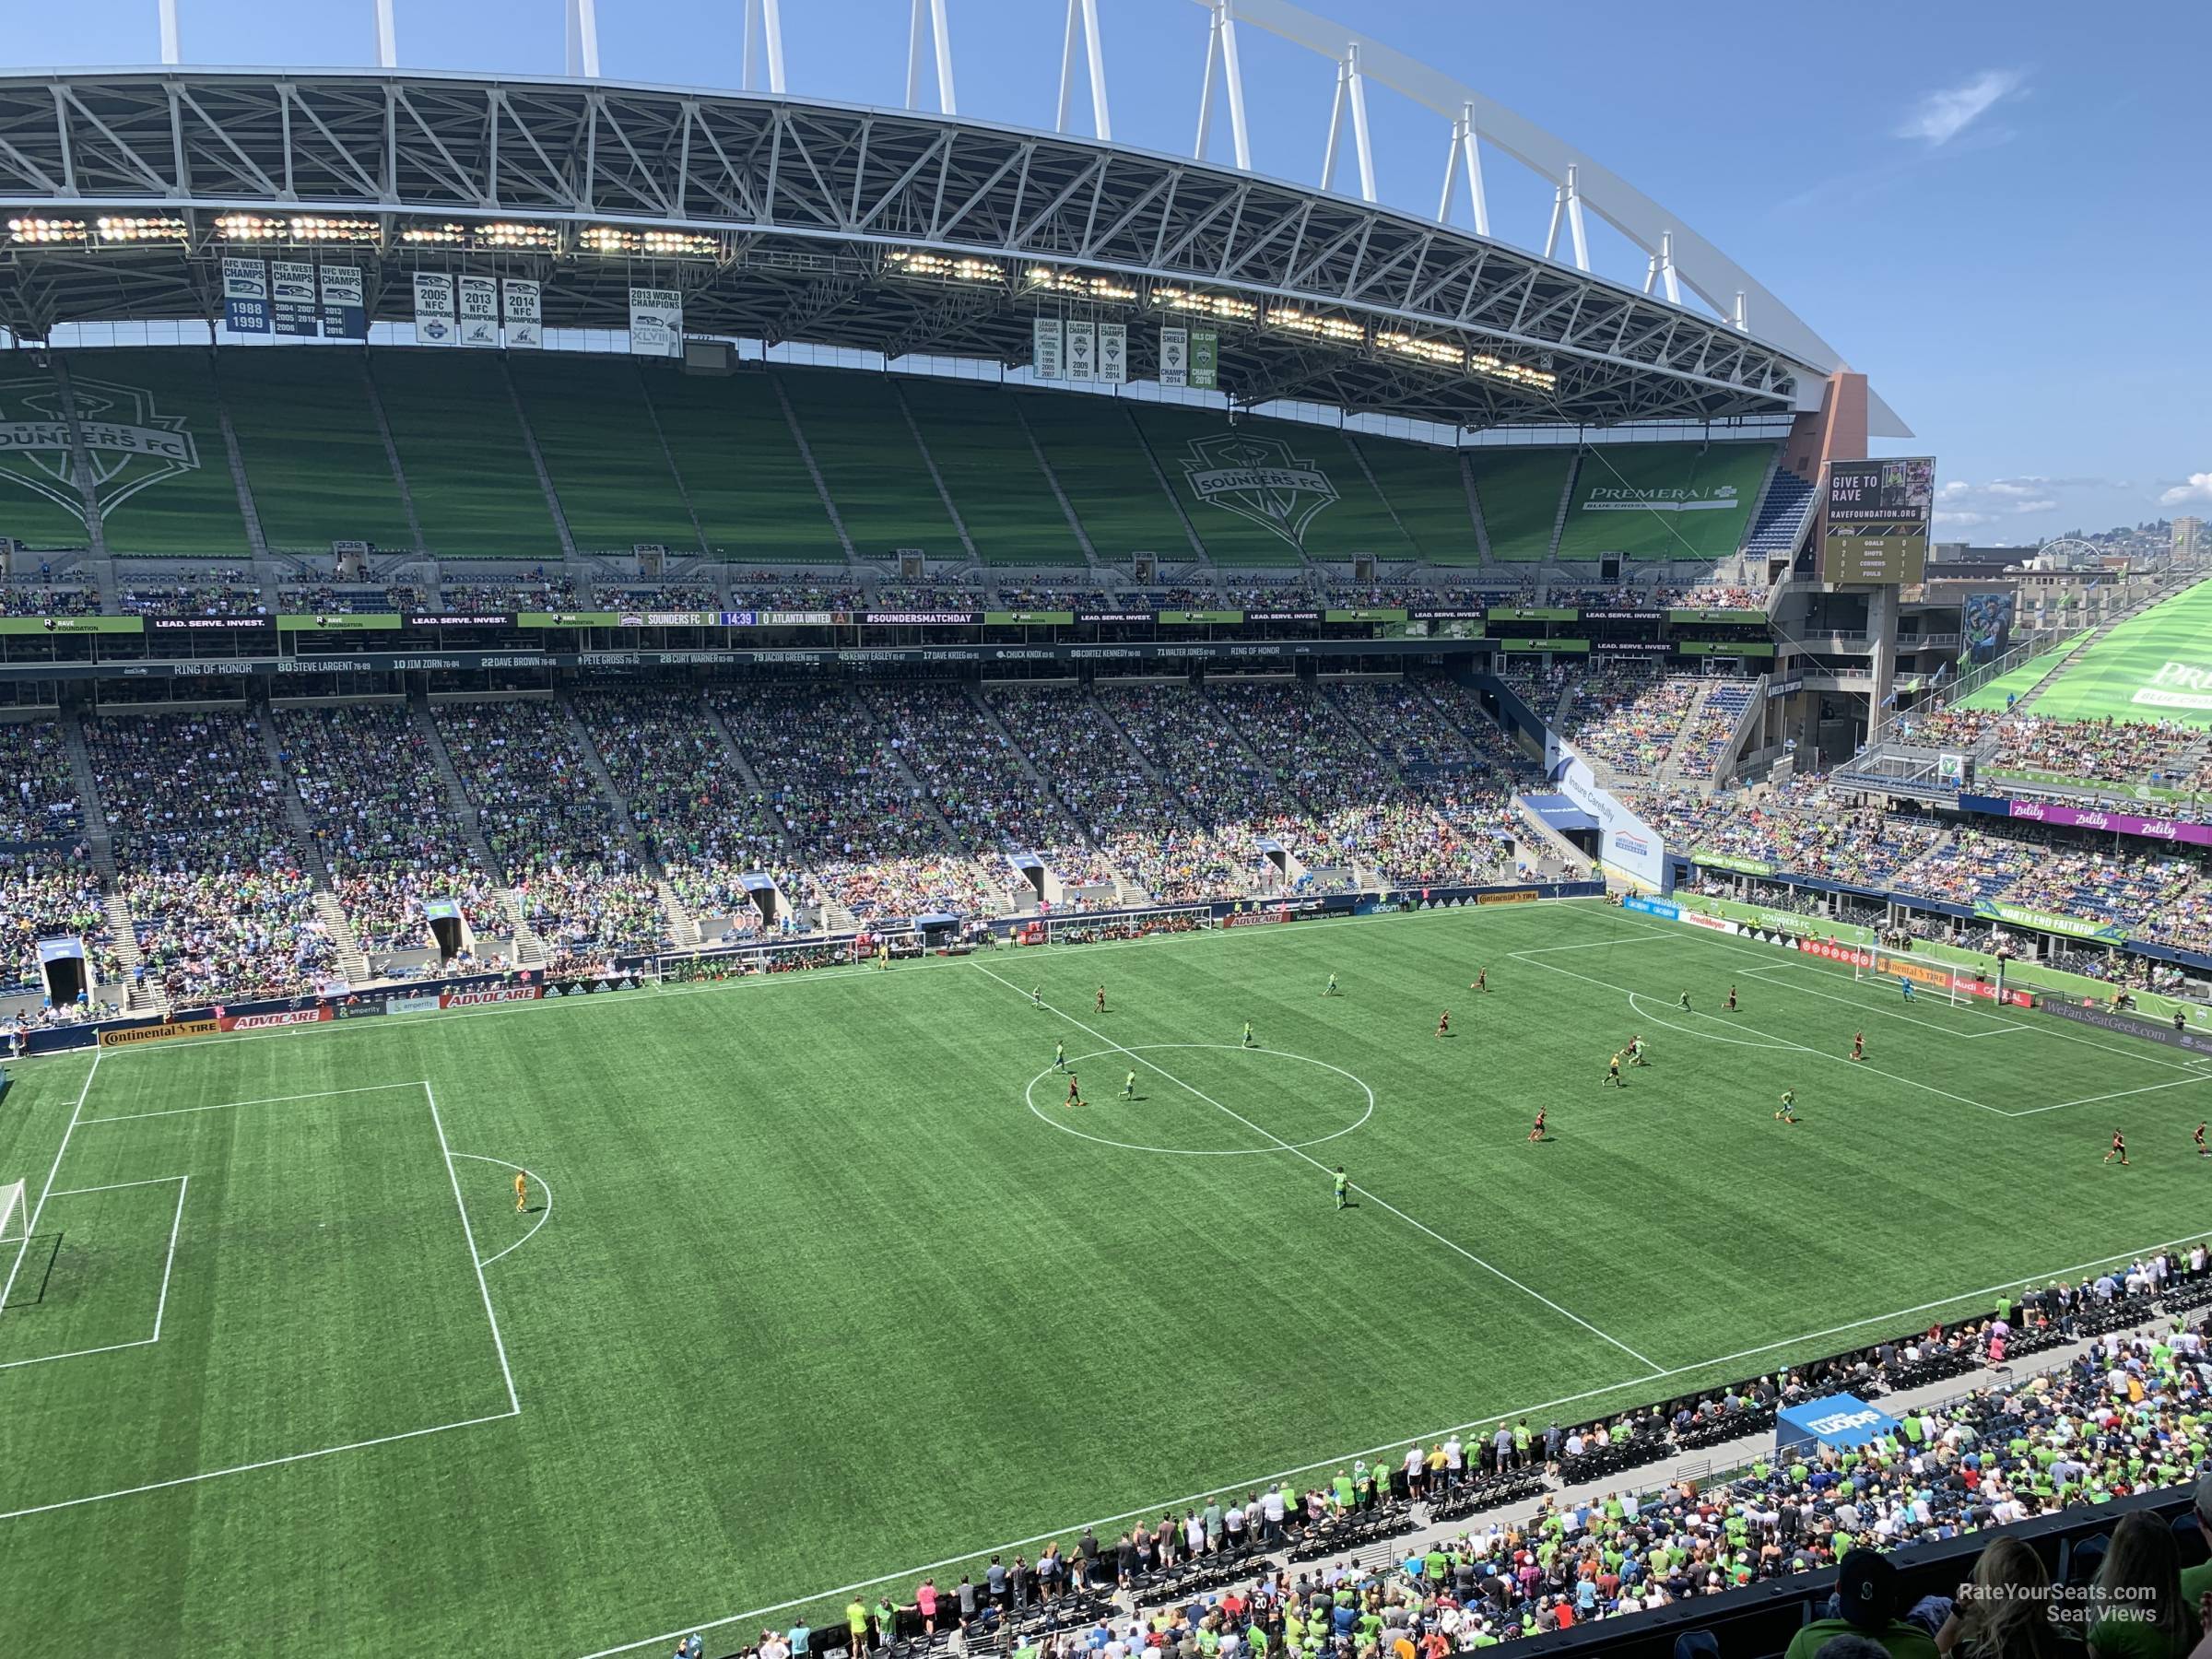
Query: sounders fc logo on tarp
[[1259, 478], [130, 444]]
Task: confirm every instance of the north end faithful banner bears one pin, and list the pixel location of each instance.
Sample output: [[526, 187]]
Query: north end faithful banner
[[480, 311], [433, 310], [523, 330], [1113, 353], [657, 322], [246, 296]]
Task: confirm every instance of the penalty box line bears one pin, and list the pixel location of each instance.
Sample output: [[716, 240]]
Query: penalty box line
[[514, 1405], [1381, 1203], [168, 1266]]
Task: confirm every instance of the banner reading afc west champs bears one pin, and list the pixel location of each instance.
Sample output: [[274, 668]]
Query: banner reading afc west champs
[[433, 310], [480, 311], [245, 295], [656, 322], [524, 331]]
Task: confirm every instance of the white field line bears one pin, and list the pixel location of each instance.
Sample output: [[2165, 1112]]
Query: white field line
[[161, 1306], [267, 1462], [1260, 1483], [320, 1094], [31, 1226], [544, 1216], [475, 1257], [1766, 976], [2118, 1094], [2049, 1030], [1380, 1203], [1783, 1042]]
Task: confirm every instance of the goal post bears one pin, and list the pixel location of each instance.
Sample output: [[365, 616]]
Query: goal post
[[1929, 978], [14, 1219]]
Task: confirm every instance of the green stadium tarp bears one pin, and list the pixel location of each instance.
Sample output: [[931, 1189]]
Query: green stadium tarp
[[2017, 682], [2151, 667]]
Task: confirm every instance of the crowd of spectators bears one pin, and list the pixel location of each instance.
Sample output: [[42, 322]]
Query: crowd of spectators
[[654, 596], [1804, 828], [1629, 720], [44, 596], [38, 789], [1706, 736], [766, 591], [1144, 832], [2162, 753], [495, 592], [976, 779], [46, 895], [349, 599], [693, 813], [869, 840], [1220, 783], [230, 592], [365, 774]]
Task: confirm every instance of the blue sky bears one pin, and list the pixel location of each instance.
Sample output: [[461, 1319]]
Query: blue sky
[[1998, 213]]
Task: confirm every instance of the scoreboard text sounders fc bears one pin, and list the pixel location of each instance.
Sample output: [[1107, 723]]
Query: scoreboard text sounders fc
[[1876, 521]]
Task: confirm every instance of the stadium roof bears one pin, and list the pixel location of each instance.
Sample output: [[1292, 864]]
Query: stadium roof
[[786, 219]]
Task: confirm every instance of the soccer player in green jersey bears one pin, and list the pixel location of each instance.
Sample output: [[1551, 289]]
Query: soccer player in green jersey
[[1685, 1008], [1129, 1087], [1788, 1113], [1036, 996], [1248, 1043], [1059, 1056], [1332, 991], [1342, 1183]]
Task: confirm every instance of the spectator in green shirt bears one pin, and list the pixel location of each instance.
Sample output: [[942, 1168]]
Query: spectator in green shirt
[[1866, 1591]]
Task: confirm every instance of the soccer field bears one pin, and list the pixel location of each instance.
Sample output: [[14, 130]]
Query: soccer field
[[820, 1280]]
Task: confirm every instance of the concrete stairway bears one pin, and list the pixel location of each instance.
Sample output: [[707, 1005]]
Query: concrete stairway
[[100, 835], [353, 961], [752, 778], [138, 999], [462, 809]]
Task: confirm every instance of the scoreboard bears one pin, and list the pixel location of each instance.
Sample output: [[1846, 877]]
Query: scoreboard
[[1875, 525]]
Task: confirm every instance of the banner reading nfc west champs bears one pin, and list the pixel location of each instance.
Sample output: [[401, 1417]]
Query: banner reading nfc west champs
[[523, 332], [344, 315], [433, 310], [1174, 356], [1113, 353], [292, 298], [479, 311], [245, 295], [1045, 352], [656, 322], [1082, 351], [1206, 356]]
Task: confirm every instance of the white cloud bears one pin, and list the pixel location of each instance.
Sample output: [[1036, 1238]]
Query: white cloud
[[1942, 115], [1966, 520], [2196, 492]]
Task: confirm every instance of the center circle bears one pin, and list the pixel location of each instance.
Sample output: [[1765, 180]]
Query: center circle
[[1164, 1082]]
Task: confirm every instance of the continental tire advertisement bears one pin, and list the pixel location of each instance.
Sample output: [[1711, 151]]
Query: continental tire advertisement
[[168, 1032]]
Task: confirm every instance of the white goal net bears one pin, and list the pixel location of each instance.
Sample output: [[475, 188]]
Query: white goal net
[[1940, 981], [13, 1220]]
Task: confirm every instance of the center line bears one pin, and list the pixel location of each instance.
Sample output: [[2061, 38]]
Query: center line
[[1653, 1366]]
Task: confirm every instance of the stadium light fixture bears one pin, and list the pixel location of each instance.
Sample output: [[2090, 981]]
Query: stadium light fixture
[[1490, 366], [1075, 284], [1227, 307], [1436, 353], [146, 229], [940, 268], [504, 234], [435, 235], [46, 230], [619, 241], [1341, 330]]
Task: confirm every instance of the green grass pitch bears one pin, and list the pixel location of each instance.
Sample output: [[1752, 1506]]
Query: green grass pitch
[[822, 1281]]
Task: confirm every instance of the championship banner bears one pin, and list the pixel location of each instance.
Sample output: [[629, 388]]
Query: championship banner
[[1082, 351], [523, 330], [479, 312], [433, 310], [1205, 359], [292, 298], [1174, 356], [656, 322], [1113, 353], [344, 315], [1044, 356], [246, 296]]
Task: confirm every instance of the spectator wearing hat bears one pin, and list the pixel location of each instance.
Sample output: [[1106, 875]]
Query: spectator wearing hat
[[1865, 1601]]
